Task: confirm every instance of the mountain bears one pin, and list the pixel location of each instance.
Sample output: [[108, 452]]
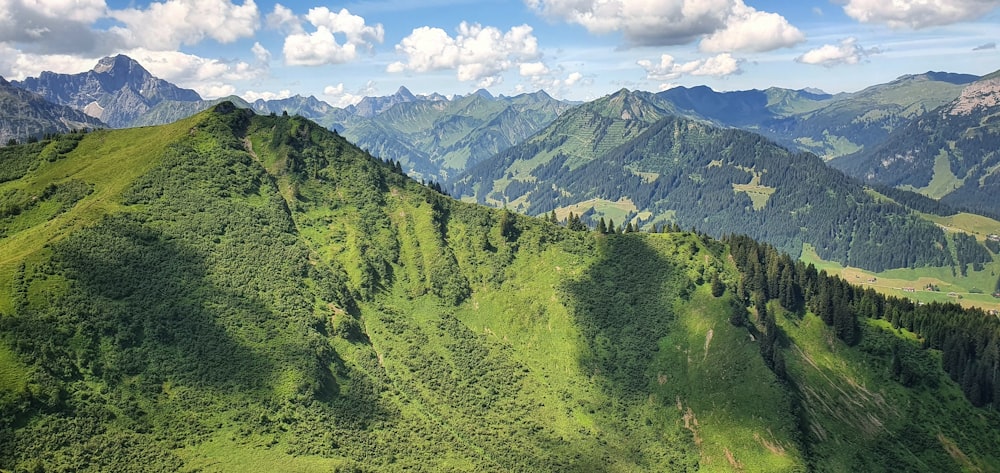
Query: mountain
[[949, 154], [435, 139], [118, 90], [309, 107], [827, 125], [744, 108], [25, 115], [369, 107], [238, 292], [624, 157]]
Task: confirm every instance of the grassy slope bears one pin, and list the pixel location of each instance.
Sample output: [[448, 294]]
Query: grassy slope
[[428, 334], [974, 289]]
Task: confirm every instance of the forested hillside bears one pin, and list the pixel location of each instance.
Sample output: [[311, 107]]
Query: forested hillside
[[719, 181], [236, 292]]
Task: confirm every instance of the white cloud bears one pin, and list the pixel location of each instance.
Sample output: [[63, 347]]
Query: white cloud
[[918, 13], [668, 69], [56, 27], [722, 23], [170, 24], [323, 46], [337, 96], [282, 18], [211, 78], [84, 11], [749, 29], [829, 55], [477, 53], [18, 65], [261, 53], [252, 96]]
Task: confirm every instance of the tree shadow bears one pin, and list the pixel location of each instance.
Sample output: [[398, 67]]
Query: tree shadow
[[623, 307]]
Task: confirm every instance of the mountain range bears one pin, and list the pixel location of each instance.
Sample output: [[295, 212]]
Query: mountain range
[[29, 116], [628, 158], [238, 291], [948, 154], [533, 153]]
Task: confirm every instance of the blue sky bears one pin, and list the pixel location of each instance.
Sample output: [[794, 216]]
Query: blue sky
[[573, 49]]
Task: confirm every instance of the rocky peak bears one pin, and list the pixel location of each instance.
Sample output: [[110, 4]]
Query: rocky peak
[[984, 93]]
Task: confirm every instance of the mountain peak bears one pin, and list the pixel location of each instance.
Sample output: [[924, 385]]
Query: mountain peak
[[3, 81], [484, 94], [116, 64], [405, 94]]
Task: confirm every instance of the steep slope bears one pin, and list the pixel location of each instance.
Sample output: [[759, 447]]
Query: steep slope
[[25, 115], [117, 90], [948, 154], [235, 292], [719, 181], [436, 139]]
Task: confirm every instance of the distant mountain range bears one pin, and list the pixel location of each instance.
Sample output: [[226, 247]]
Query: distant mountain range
[[117, 90], [25, 115], [949, 154], [883, 134], [628, 158]]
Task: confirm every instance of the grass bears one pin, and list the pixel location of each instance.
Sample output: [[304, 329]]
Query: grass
[[943, 181], [894, 282], [714, 375], [616, 211]]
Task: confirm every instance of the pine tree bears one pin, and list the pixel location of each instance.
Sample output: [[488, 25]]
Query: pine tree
[[717, 286], [602, 227]]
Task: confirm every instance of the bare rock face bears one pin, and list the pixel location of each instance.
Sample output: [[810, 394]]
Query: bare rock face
[[117, 90], [979, 94], [24, 115]]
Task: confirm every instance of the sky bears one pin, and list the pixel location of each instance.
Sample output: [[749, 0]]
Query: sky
[[340, 52]]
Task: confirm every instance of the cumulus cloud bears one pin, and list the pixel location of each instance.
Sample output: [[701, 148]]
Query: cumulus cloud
[[283, 19], [56, 27], [667, 69], [261, 53], [323, 45], [829, 55], [338, 96], [917, 13], [18, 65], [168, 25], [477, 53], [984, 47], [748, 29], [211, 78], [252, 96], [725, 25]]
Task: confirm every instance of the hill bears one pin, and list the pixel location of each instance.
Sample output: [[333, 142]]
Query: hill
[[117, 90], [947, 154], [234, 292], [24, 115], [624, 158]]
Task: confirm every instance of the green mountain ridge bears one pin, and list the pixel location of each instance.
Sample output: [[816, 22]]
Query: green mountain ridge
[[721, 181], [239, 292]]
